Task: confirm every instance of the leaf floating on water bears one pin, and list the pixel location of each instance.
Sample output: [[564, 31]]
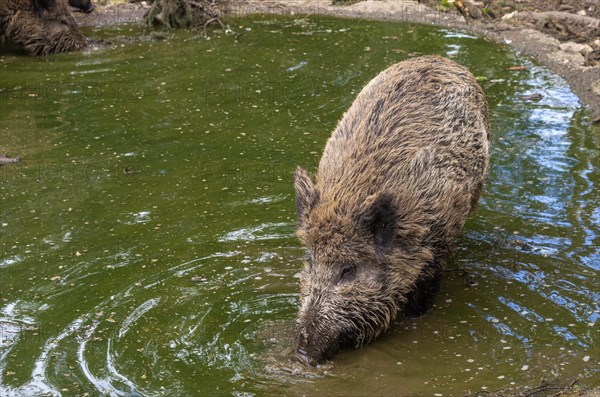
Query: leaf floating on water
[[470, 280], [516, 68], [533, 97]]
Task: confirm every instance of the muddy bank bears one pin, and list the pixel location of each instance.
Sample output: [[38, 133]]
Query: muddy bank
[[524, 31]]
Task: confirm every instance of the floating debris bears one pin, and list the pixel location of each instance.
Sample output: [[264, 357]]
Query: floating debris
[[516, 68], [298, 66], [532, 97]]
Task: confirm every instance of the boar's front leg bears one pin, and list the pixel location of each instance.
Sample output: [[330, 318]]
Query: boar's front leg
[[421, 298]]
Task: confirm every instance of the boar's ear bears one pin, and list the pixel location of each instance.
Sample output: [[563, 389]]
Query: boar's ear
[[378, 218], [306, 194]]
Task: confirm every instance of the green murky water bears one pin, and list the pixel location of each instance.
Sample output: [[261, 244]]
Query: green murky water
[[147, 237]]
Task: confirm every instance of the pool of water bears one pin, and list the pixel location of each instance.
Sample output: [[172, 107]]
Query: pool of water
[[147, 238]]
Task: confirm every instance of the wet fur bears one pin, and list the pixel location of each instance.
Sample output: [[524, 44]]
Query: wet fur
[[398, 178], [39, 27]]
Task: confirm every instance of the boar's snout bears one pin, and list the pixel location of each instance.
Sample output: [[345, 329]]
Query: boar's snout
[[302, 357], [316, 339], [315, 349]]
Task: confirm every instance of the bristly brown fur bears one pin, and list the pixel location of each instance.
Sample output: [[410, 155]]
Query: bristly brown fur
[[39, 27], [398, 178]]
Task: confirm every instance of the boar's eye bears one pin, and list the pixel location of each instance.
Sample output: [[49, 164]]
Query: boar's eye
[[347, 273]]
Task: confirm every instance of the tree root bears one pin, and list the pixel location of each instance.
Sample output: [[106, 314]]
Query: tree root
[[171, 14]]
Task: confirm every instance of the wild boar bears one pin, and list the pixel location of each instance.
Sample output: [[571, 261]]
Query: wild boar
[[39, 27], [399, 176]]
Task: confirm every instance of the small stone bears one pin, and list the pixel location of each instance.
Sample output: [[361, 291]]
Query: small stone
[[567, 57], [596, 89], [570, 46], [524, 367], [586, 359], [510, 15]]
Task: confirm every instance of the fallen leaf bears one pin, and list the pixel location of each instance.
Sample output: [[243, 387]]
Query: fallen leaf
[[533, 97], [514, 68]]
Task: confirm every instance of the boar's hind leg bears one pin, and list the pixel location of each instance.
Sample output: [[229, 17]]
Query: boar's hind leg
[[421, 298]]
